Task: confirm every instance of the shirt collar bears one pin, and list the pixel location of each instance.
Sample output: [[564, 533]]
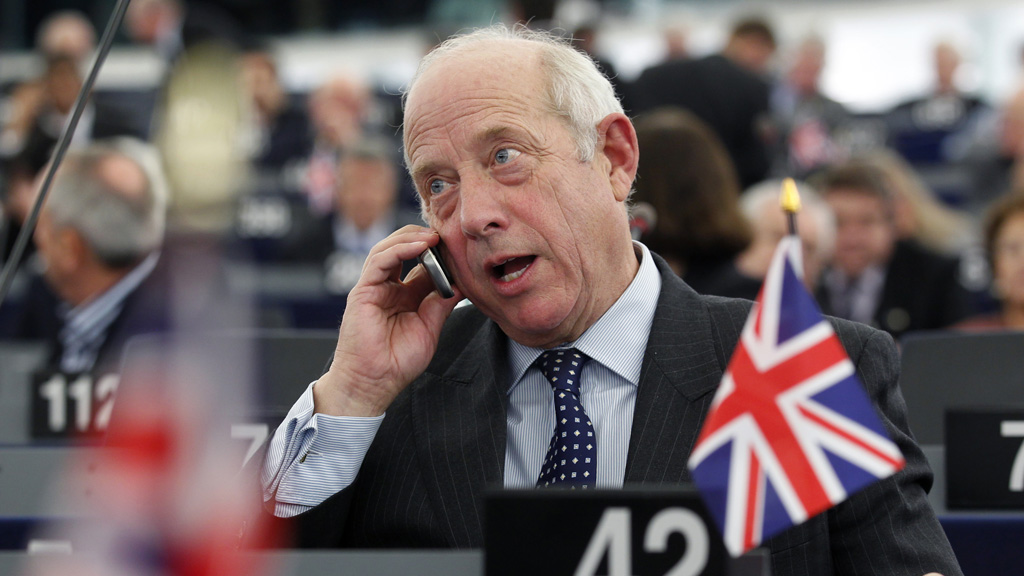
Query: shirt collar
[[620, 350], [85, 314]]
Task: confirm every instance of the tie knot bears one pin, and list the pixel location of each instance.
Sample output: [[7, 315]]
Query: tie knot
[[562, 368]]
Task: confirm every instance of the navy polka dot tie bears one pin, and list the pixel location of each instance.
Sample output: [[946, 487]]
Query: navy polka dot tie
[[572, 455]]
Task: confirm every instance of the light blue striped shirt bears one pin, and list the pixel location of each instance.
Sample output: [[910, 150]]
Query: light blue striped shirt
[[334, 446]]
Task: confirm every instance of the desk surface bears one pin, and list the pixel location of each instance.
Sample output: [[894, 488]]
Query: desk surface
[[351, 563]]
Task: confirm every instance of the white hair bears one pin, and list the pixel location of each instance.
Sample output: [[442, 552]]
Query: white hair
[[119, 228], [577, 91], [756, 199]]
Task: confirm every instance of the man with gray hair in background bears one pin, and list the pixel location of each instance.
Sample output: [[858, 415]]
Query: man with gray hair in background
[[524, 162], [98, 239], [815, 223]]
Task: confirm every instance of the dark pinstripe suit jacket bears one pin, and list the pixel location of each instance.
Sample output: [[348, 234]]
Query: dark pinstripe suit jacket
[[443, 442]]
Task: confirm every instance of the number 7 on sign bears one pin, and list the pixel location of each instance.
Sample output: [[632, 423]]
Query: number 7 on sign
[[1015, 429]]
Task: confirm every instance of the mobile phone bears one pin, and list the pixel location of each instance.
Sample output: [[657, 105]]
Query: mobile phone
[[432, 261]]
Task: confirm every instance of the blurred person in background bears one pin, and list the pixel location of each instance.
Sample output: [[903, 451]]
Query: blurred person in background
[[337, 111], [157, 23], [99, 239], [919, 215], [815, 224], [584, 38], [170, 27], [18, 192], [66, 34], [676, 43], [366, 210], [280, 130], [725, 90], [536, 14], [923, 129], [875, 277], [1004, 245], [686, 176], [41, 109], [61, 83], [69, 33], [751, 45], [1011, 140], [805, 120], [995, 153]]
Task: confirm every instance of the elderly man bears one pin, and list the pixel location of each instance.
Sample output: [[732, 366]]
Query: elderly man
[[99, 237], [524, 160]]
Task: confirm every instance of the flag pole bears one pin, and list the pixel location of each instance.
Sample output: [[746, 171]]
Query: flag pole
[[789, 200]]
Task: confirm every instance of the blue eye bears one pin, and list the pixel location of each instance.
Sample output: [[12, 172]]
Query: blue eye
[[437, 186], [505, 155]]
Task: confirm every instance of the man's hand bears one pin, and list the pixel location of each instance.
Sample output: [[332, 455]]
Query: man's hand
[[389, 331]]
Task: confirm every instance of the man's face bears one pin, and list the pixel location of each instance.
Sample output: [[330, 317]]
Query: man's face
[[63, 83], [536, 239], [806, 70], [864, 230], [753, 53], [366, 191]]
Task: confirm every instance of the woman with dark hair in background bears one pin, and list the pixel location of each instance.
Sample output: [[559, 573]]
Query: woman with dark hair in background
[[686, 175], [1004, 244]]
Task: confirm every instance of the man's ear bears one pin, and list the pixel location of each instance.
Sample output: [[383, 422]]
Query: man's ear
[[617, 142]]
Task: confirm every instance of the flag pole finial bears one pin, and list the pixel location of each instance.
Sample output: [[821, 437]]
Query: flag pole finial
[[789, 200]]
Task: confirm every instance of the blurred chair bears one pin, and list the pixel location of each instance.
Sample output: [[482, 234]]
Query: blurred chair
[[19, 361], [941, 371], [283, 363]]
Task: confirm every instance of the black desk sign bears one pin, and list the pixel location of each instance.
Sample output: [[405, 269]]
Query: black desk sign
[[71, 405], [608, 532], [985, 458]]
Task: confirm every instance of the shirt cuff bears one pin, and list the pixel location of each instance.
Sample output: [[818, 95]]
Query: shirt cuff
[[317, 456]]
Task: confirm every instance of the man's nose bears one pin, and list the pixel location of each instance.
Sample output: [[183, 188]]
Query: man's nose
[[482, 206]]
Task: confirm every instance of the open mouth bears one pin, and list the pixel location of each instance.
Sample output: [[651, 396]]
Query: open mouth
[[512, 268]]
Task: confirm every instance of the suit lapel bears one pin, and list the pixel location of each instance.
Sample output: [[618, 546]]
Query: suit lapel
[[679, 372], [459, 419]]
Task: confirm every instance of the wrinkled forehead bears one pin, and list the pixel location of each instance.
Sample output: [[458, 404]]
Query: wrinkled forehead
[[510, 67]]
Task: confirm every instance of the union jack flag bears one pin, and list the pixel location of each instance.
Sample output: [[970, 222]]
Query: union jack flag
[[791, 431]]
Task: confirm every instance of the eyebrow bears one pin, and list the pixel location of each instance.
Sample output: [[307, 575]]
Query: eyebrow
[[417, 172], [483, 137], [492, 133]]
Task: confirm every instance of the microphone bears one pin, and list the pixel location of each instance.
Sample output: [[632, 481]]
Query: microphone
[[642, 220]]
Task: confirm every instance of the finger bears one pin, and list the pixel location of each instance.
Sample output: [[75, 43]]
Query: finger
[[419, 278], [404, 235], [408, 233], [386, 265]]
